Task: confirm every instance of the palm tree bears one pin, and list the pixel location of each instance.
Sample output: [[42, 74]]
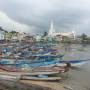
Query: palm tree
[[83, 37], [45, 34]]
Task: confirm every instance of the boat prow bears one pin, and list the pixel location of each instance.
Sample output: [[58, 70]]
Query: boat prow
[[9, 77], [26, 73], [41, 78]]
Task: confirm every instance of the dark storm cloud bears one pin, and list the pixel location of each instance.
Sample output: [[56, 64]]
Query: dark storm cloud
[[67, 15]]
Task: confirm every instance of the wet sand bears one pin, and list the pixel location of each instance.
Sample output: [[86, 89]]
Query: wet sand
[[8, 85], [30, 85], [78, 78], [48, 85]]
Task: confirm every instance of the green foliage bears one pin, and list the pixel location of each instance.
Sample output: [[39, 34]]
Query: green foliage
[[9, 35], [66, 39], [83, 37], [45, 34], [13, 32]]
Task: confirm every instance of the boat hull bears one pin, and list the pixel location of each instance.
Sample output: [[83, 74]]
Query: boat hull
[[41, 79], [36, 63]]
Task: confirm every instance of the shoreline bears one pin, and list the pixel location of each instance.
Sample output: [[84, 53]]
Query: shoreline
[[30, 85]]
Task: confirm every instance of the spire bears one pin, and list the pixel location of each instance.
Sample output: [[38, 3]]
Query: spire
[[51, 30], [73, 32]]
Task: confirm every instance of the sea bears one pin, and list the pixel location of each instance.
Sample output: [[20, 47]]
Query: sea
[[77, 78]]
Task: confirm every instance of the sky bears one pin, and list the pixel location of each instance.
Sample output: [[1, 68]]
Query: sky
[[34, 16]]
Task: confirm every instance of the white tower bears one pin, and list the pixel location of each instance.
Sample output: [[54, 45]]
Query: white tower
[[74, 36], [51, 30]]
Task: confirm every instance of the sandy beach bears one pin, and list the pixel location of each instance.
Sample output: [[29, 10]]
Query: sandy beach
[[75, 79], [30, 85]]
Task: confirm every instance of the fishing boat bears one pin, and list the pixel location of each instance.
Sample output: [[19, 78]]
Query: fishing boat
[[42, 62], [46, 69], [32, 57], [29, 54], [45, 78], [74, 63], [36, 73], [42, 75], [19, 73], [9, 77]]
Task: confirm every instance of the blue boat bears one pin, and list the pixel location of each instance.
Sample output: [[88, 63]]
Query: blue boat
[[35, 63]]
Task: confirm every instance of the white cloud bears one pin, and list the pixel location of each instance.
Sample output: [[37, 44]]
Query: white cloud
[[67, 14], [9, 24]]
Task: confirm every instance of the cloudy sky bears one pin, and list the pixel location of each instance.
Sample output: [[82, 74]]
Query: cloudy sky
[[34, 16]]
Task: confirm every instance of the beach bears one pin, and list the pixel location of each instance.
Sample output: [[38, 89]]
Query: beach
[[79, 78], [76, 79]]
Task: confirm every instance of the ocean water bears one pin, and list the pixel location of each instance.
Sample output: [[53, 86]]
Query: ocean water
[[77, 78]]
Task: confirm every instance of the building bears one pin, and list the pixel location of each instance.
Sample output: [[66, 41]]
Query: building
[[52, 33], [29, 39], [38, 37], [2, 35], [18, 36]]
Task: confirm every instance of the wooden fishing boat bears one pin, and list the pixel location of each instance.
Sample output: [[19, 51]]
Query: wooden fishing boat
[[61, 69], [51, 70], [44, 59], [14, 76], [41, 78], [38, 73], [9, 77], [74, 63], [43, 62], [28, 63], [3, 72], [32, 56]]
